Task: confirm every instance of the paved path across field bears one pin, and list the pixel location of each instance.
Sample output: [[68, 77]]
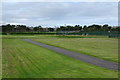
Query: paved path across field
[[79, 56]]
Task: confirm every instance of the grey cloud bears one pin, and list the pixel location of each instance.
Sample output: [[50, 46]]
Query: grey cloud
[[53, 13]]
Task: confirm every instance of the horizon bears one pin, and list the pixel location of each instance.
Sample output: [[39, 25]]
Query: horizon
[[65, 25]]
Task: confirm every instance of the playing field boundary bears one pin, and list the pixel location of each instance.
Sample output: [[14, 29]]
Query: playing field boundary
[[79, 56]]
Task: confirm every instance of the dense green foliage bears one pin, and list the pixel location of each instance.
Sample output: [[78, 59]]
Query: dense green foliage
[[77, 28]]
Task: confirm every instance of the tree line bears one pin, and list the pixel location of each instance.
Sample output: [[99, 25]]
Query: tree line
[[23, 28], [93, 27]]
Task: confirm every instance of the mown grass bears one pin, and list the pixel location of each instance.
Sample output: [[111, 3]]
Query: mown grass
[[98, 46], [48, 36], [106, 48], [25, 60]]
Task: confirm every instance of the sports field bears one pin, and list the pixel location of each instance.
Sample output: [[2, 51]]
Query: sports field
[[25, 60]]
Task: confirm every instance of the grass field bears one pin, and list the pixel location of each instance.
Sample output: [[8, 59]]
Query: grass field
[[106, 48], [25, 60]]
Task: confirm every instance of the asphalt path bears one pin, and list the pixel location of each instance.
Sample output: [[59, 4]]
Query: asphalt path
[[82, 57]]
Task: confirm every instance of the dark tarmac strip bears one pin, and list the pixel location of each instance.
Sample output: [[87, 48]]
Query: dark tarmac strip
[[79, 56]]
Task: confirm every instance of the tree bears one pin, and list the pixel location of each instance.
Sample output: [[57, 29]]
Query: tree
[[105, 27], [84, 28], [51, 29], [78, 27], [36, 28], [62, 28], [69, 28], [21, 28], [8, 28], [40, 28]]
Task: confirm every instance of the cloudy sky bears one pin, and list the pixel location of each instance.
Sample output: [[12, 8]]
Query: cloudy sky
[[60, 13]]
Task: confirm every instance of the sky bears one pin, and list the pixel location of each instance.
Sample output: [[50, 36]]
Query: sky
[[50, 14]]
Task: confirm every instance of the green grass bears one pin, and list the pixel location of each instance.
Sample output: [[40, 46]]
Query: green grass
[[106, 48], [48, 36], [98, 46], [25, 60]]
